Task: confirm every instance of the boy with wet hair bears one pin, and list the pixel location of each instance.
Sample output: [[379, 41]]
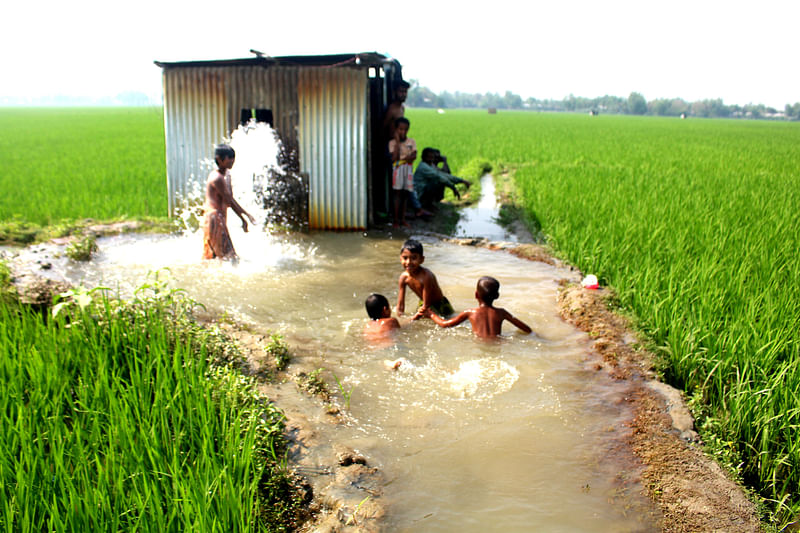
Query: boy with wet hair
[[382, 324], [379, 310], [219, 197], [421, 281], [486, 319]]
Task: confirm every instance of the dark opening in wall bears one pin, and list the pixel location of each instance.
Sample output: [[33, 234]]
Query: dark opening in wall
[[261, 115]]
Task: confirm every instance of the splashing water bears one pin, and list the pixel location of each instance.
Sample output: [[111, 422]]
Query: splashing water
[[267, 189]]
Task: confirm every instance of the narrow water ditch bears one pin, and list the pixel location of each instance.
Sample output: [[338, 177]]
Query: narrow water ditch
[[514, 435]]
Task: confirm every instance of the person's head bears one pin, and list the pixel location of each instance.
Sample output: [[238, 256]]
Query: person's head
[[411, 256], [223, 154], [401, 91], [430, 155], [488, 290], [377, 306], [401, 125]]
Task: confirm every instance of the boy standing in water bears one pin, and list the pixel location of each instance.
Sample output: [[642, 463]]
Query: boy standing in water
[[421, 281], [486, 319], [403, 152], [219, 197]]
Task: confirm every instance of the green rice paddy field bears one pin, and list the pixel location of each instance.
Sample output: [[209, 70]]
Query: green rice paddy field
[[694, 223]]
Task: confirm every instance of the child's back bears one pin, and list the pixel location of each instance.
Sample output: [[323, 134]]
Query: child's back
[[486, 320]]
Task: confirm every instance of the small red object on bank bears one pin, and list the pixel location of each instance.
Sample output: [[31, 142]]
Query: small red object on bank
[[590, 282]]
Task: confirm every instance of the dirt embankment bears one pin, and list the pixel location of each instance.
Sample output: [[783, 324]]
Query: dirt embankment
[[690, 489]]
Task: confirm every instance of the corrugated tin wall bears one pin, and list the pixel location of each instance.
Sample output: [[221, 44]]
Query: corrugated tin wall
[[272, 88], [322, 112], [333, 145], [195, 110]]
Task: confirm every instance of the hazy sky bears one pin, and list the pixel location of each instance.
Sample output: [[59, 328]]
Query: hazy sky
[[741, 52]]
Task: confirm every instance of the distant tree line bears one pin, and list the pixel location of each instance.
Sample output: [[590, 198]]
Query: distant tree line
[[634, 104]]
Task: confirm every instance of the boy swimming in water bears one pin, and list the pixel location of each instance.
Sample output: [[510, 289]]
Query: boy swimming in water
[[421, 281], [486, 319], [381, 323]]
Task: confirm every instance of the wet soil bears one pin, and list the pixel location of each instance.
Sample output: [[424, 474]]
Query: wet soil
[[344, 491]]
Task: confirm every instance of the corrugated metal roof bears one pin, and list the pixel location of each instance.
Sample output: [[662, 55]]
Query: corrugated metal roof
[[365, 59]]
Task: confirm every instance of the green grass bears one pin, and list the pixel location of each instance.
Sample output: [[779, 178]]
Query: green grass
[[66, 164], [695, 225], [122, 416]]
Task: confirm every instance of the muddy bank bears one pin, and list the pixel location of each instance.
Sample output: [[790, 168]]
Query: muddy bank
[[342, 489]]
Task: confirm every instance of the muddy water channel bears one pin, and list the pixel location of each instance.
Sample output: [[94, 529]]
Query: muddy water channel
[[514, 435]]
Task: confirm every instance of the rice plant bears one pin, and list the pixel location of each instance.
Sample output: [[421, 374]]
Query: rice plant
[[64, 164], [115, 417]]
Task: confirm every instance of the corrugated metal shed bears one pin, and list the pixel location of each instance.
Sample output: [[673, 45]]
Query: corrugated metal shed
[[324, 107]]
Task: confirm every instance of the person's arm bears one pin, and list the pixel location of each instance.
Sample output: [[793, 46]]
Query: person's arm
[[390, 116], [239, 210], [517, 322], [445, 166], [222, 187], [452, 187], [394, 149], [401, 295], [458, 319], [412, 156]]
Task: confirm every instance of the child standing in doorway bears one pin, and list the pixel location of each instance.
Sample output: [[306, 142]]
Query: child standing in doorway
[[403, 152]]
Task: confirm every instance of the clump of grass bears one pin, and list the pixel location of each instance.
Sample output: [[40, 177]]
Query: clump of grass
[[346, 394], [472, 171], [82, 248], [124, 414], [278, 350], [17, 231], [313, 383], [8, 294]]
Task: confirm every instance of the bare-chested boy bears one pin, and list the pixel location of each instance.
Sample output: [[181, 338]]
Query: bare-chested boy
[[395, 110], [420, 280], [219, 197], [486, 319]]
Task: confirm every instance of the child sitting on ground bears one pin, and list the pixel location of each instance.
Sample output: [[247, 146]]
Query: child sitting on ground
[[486, 319], [421, 281]]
